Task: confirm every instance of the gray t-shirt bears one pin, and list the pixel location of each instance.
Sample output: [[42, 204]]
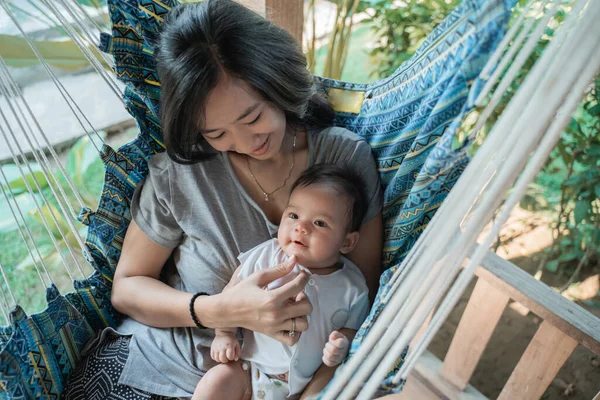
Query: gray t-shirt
[[203, 212]]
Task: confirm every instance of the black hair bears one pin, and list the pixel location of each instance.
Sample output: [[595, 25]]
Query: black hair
[[200, 43], [343, 180]]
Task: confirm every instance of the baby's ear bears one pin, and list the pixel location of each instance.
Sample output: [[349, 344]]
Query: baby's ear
[[349, 242]]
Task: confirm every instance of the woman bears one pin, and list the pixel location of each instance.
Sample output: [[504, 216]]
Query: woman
[[241, 120]]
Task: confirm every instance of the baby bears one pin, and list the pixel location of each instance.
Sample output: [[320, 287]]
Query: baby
[[319, 224]]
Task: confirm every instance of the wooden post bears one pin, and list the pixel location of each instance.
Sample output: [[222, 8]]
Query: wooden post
[[288, 14], [545, 355], [474, 330]]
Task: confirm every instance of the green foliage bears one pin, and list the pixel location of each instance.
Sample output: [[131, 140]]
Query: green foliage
[[571, 187], [401, 29]]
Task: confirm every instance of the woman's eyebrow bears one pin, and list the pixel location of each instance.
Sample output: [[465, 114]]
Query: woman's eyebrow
[[243, 115]]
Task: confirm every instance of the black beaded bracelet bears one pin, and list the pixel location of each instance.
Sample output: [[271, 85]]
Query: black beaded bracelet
[[192, 313]]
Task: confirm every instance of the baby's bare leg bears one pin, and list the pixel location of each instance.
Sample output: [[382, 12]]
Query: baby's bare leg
[[224, 381]]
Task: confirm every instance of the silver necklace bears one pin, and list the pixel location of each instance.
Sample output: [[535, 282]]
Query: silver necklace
[[268, 195]]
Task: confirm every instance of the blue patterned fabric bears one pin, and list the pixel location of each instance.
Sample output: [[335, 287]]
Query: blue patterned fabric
[[410, 119]]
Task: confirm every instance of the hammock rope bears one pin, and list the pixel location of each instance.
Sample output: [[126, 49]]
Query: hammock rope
[[21, 222], [89, 27], [412, 306], [79, 115], [45, 169], [502, 48], [79, 40], [515, 67], [15, 97], [39, 206]]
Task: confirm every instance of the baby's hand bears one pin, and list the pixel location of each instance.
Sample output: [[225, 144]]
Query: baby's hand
[[336, 349], [225, 348]]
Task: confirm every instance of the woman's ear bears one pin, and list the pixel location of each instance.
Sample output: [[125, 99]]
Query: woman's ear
[[349, 242]]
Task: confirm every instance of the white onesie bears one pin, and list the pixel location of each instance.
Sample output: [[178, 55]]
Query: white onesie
[[339, 300]]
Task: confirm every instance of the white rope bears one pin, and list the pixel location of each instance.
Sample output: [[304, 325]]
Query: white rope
[[514, 47], [505, 43], [15, 93], [5, 307], [70, 102], [63, 200], [34, 260], [393, 354], [33, 196], [92, 37], [109, 79], [86, 15], [45, 171], [12, 295], [535, 164], [518, 62]]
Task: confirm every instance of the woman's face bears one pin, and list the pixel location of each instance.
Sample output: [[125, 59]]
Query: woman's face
[[238, 119]]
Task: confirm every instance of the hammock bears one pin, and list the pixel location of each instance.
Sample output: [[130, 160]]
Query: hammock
[[410, 120]]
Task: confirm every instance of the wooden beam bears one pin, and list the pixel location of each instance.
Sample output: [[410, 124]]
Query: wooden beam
[[426, 383], [545, 355], [542, 300], [428, 369], [475, 328], [288, 14], [415, 389]]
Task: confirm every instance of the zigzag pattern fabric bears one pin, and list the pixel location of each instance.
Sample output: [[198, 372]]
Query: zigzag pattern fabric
[[410, 119]]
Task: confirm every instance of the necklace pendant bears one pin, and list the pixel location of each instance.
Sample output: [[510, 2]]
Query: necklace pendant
[[266, 196]]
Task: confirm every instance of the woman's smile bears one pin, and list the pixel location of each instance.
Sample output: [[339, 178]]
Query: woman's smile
[[263, 148]]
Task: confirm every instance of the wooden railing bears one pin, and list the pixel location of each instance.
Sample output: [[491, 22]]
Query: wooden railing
[[564, 326]]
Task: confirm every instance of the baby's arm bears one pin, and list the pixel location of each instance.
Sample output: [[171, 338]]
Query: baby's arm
[[338, 346], [226, 347]]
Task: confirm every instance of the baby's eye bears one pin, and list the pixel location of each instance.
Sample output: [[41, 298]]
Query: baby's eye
[[320, 224], [292, 215]]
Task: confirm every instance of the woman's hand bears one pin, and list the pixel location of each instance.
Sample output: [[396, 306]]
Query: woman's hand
[[269, 312]]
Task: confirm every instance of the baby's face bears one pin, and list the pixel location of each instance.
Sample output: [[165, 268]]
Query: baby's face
[[314, 226]]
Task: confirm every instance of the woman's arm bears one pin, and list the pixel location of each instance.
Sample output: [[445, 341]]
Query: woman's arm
[[138, 292], [367, 253]]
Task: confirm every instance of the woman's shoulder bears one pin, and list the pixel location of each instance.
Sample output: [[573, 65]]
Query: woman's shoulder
[[334, 133], [335, 144]]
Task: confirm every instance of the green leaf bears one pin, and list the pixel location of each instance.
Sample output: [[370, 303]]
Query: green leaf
[[597, 191], [47, 215], [595, 111], [552, 266], [81, 156], [581, 209], [569, 256], [16, 180]]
